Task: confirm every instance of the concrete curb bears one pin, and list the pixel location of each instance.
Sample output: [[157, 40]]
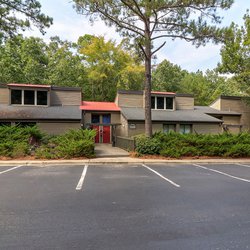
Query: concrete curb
[[121, 160]]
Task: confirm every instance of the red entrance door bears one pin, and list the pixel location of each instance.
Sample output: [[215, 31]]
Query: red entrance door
[[106, 134], [97, 137]]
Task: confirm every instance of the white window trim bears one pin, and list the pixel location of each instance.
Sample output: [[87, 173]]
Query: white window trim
[[35, 98], [165, 103]]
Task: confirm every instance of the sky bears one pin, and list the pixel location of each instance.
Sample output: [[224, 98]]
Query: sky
[[69, 25]]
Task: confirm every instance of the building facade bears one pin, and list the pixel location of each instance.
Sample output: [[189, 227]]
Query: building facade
[[53, 109]]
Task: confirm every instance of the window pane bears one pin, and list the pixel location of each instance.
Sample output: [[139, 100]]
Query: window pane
[[29, 97], [168, 127], [106, 119], [16, 96], [95, 118], [42, 98], [160, 102], [169, 103], [185, 128], [152, 102]]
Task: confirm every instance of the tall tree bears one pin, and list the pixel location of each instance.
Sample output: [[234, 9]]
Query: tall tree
[[149, 20], [109, 67], [167, 77], [65, 66], [19, 14], [235, 53], [23, 60]]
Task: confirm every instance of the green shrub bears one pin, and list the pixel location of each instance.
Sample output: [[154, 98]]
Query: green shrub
[[147, 146], [177, 145], [74, 143], [20, 150], [239, 150]]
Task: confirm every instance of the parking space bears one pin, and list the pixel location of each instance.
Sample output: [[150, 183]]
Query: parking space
[[140, 206]]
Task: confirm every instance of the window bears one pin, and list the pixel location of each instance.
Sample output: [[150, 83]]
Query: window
[[42, 98], [106, 119], [160, 102], [169, 103], [185, 128], [152, 102], [168, 128], [95, 118], [16, 96], [29, 97]]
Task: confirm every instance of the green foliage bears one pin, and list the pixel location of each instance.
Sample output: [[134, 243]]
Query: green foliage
[[190, 145], [108, 67], [14, 141], [19, 14], [167, 77], [74, 143], [235, 53], [146, 145]]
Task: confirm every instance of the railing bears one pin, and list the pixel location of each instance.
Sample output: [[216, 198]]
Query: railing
[[125, 143]]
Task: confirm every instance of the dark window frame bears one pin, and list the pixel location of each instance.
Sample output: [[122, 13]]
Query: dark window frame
[[27, 102]]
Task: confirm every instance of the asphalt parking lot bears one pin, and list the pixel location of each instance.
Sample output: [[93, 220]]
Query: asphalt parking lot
[[164, 206]]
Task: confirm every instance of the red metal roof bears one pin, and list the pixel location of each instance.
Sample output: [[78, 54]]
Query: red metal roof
[[28, 85], [99, 106], [162, 93]]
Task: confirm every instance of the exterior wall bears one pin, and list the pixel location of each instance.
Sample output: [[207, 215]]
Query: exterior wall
[[232, 120], [4, 96], [216, 104], [56, 128], [122, 130], [207, 128], [238, 105], [200, 128], [129, 100], [182, 102], [63, 97]]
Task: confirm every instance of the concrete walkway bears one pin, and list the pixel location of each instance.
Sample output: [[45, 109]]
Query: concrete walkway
[[106, 150]]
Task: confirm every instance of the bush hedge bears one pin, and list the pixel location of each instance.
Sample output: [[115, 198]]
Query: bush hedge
[[177, 145], [16, 142]]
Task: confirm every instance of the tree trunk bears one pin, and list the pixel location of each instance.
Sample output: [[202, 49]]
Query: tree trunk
[[147, 87]]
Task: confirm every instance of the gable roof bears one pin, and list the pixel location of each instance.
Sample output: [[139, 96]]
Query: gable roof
[[138, 114], [99, 106]]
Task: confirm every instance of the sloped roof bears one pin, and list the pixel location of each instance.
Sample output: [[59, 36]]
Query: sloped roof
[[99, 106], [212, 111], [138, 114], [8, 112]]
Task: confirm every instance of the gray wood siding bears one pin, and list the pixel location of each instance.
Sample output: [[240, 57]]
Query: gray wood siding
[[58, 128], [184, 102], [4, 96], [130, 100], [207, 128], [62, 97], [238, 106]]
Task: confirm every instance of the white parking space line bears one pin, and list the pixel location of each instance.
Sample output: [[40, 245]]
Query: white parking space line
[[163, 177], [10, 169], [219, 172], [242, 165], [80, 183]]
